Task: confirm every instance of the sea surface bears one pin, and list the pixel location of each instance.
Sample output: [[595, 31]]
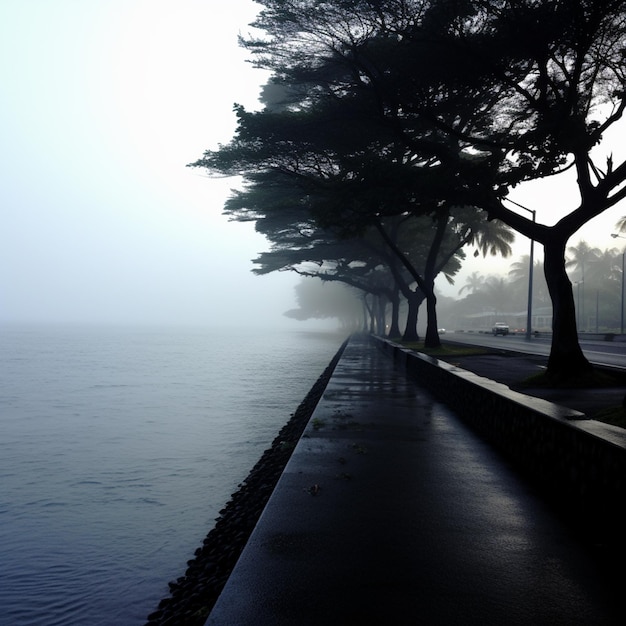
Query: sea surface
[[118, 448]]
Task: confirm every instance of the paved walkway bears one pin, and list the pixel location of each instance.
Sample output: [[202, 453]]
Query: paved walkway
[[392, 512]]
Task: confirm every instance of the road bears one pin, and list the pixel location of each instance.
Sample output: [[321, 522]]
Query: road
[[606, 353]]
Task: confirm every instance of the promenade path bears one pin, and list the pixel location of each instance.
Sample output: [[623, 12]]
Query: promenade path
[[392, 512]]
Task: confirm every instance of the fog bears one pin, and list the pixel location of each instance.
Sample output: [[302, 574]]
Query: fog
[[104, 104]]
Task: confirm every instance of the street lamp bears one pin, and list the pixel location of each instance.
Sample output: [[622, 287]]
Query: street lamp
[[529, 314], [621, 328], [529, 317], [578, 283]]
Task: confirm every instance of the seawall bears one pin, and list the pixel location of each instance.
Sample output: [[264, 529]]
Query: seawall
[[579, 462]]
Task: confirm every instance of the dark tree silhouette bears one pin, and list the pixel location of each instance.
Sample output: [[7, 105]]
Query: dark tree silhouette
[[467, 88]]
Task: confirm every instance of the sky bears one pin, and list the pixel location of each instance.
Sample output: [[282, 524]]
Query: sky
[[104, 103]]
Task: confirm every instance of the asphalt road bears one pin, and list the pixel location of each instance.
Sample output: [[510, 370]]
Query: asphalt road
[[607, 353]]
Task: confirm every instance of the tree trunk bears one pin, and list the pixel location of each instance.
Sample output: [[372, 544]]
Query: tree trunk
[[432, 339], [370, 313], [410, 330], [566, 360], [394, 329], [365, 313], [381, 309]]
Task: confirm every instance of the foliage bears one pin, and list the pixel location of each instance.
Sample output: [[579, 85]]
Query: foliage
[[598, 303], [337, 203], [322, 300], [381, 108]]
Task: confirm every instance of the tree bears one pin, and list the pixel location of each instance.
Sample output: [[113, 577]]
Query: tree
[[473, 283], [361, 171], [344, 182], [519, 275], [497, 295], [322, 300], [605, 267], [467, 105], [582, 254], [463, 83], [558, 93], [282, 213]]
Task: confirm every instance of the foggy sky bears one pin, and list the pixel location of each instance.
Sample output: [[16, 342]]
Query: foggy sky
[[103, 105]]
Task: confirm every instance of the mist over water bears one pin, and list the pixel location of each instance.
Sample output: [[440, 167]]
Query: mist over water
[[118, 448]]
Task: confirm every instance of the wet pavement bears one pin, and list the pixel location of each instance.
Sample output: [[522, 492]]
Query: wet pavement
[[391, 512]]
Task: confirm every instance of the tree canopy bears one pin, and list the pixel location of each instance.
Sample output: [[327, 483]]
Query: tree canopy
[[380, 108]]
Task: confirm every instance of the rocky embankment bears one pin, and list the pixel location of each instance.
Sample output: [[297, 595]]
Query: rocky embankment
[[193, 595]]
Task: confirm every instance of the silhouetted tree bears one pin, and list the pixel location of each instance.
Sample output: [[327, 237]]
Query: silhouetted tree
[[323, 300], [467, 87], [301, 179], [473, 283], [519, 276]]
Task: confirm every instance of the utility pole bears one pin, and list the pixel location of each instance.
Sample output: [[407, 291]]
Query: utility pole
[[529, 314], [621, 327]]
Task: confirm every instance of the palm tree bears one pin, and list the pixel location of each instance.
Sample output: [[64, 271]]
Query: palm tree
[[519, 275], [473, 283], [606, 266], [583, 255], [604, 276], [493, 237], [488, 237], [497, 294], [473, 228]]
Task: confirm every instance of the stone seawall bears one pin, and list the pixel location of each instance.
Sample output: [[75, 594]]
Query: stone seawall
[[580, 463]]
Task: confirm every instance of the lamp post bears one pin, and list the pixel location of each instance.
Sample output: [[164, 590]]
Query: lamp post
[[583, 321], [578, 283], [529, 314], [621, 326]]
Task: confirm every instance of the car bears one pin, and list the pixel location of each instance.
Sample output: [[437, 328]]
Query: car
[[500, 328], [441, 331]]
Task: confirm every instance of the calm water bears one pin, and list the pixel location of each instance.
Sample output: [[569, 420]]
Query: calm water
[[117, 450]]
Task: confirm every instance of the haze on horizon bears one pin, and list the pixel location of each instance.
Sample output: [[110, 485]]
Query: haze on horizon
[[104, 104]]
